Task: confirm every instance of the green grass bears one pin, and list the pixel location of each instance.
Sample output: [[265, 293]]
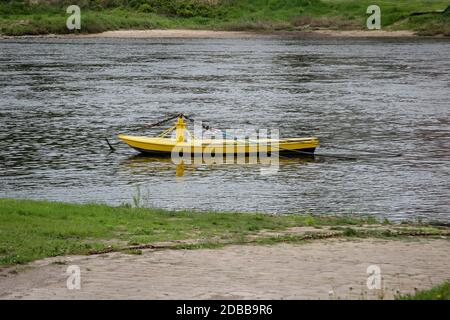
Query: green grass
[[440, 292], [18, 17], [31, 230]]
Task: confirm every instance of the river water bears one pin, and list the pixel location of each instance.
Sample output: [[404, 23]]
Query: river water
[[59, 98]]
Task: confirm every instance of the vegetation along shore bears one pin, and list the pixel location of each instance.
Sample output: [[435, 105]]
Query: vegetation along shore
[[40, 239], [37, 17], [31, 230]]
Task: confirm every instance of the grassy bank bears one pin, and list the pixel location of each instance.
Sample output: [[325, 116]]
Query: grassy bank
[[440, 292], [31, 230], [21, 17]]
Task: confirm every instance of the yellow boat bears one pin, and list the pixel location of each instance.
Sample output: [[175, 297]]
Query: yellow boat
[[161, 145]]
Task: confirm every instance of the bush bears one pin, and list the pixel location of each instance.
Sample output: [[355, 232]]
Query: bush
[[182, 8], [145, 7], [137, 3]]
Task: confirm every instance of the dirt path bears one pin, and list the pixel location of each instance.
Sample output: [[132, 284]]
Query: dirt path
[[322, 269]]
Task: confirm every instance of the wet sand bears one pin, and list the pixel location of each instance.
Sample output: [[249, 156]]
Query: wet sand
[[323, 269]]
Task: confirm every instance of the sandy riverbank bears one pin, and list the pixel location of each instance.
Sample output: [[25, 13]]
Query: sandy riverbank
[[185, 33], [365, 33], [242, 34], [322, 269]]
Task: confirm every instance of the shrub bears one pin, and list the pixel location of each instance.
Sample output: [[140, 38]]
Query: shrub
[[145, 7]]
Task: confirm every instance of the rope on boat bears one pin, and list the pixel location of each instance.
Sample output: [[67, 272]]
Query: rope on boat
[[162, 121], [206, 127], [147, 126]]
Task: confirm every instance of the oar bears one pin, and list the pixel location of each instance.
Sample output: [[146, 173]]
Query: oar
[[109, 145]]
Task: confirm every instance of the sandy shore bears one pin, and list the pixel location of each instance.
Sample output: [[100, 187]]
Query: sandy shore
[[238, 34], [365, 33], [185, 33], [178, 33], [324, 269]]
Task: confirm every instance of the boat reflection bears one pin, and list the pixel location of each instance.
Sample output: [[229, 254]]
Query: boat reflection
[[141, 164]]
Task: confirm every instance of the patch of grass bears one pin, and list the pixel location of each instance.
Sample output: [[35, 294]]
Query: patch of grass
[[349, 232], [193, 246], [31, 230], [289, 238], [20, 17], [132, 251], [440, 292]]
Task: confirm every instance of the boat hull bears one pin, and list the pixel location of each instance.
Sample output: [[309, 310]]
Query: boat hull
[[165, 146], [301, 152]]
